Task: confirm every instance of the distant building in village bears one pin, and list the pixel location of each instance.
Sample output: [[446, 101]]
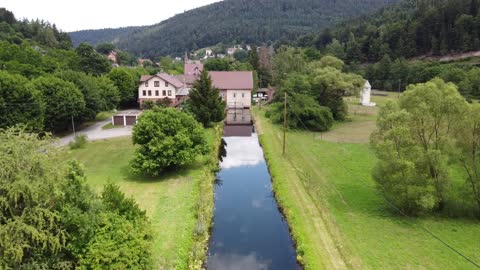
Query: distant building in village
[[113, 57], [208, 53], [192, 67], [231, 51], [144, 61]]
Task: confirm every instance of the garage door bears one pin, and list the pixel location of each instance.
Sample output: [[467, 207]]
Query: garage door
[[118, 120], [131, 120]]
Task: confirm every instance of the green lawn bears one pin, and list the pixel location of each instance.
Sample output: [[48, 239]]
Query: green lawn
[[171, 201], [339, 219]]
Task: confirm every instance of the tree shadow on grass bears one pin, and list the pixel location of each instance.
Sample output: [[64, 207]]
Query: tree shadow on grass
[[165, 175]]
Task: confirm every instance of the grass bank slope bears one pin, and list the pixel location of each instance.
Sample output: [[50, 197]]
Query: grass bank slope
[[176, 202], [338, 218]]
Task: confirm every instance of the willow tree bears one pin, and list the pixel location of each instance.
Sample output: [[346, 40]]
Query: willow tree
[[468, 142], [414, 146]]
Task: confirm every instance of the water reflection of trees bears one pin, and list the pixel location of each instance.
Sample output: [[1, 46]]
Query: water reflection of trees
[[218, 182], [222, 151]]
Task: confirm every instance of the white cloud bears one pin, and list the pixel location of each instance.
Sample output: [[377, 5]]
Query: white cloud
[[71, 15], [242, 151]]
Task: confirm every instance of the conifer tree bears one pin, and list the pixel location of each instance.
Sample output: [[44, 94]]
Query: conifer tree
[[205, 101]]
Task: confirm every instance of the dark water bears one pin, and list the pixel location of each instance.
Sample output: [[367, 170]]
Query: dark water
[[249, 231]]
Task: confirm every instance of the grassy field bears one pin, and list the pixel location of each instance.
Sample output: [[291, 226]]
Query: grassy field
[[338, 218], [172, 201]]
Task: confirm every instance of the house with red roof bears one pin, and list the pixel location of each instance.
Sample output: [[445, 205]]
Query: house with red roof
[[235, 87], [162, 86], [193, 68]]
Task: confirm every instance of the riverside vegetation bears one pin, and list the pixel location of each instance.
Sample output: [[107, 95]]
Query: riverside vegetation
[[179, 204]]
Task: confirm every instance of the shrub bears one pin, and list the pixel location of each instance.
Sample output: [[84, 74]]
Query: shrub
[[302, 113], [79, 142], [167, 138]]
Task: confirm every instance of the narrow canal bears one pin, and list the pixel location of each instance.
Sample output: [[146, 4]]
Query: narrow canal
[[249, 232]]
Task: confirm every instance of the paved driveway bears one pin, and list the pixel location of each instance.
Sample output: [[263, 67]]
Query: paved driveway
[[95, 132]]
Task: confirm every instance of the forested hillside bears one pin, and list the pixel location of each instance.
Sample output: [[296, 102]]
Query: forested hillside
[[95, 37], [44, 82], [410, 28], [250, 21]]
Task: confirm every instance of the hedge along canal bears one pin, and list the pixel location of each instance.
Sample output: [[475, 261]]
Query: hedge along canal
[[249, 231]]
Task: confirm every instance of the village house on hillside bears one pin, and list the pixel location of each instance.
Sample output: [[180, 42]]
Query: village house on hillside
[[113, 56]]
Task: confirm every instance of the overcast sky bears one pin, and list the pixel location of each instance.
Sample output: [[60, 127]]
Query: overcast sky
[[72, 15]]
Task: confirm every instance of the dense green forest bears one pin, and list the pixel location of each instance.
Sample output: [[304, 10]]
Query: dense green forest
[[229, 21], [44, 81], [387, 47], [95, 37], [407, 29], [49, 217]]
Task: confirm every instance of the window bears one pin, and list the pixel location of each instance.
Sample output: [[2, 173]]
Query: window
[[166, 84], [234, 95], [169, 92], [144, 93], [157, 93], [243, 95], [164, 93], [156, 84], [149, 93], [146, 84]]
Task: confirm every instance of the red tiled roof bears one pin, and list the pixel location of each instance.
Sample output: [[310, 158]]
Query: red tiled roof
[[190, 68], [232, 80], [164, 76], [145, 78], [187, 79], [170, 79]]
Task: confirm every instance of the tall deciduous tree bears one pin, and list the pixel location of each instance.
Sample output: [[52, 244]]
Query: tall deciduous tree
[[20, 103], [63, 100], [413, 145], [92, 62], [205, 101], [167, 138], [125, 83], [288, 60], [468, 142]]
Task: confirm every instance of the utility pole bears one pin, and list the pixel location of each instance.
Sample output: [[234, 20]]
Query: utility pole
[[284, 122], [73, 126], [399, 86]]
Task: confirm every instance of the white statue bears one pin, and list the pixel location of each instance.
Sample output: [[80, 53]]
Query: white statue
[[365, 95]]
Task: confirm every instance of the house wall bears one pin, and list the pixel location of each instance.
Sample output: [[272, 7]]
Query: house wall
[[238, 98], [151, 87]]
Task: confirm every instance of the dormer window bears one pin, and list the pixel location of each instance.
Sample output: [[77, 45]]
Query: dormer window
[[156, 84]]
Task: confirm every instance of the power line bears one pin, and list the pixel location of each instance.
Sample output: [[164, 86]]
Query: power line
[[445, 243]]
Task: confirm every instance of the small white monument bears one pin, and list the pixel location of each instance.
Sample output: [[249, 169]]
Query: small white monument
[[365, 95]]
